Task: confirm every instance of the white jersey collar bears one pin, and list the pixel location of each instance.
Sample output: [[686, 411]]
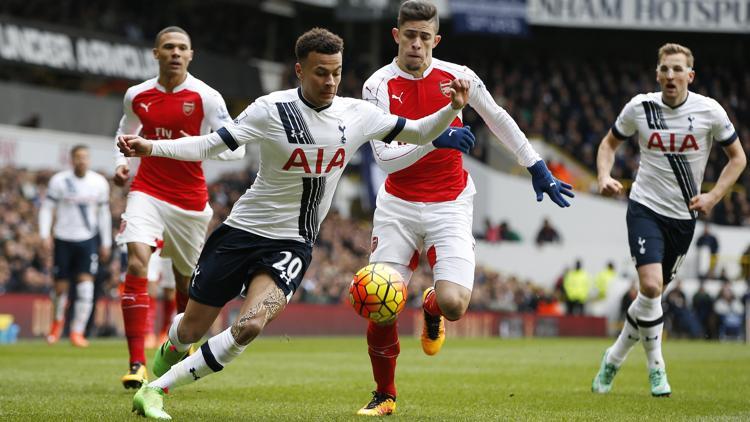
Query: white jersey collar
[[406, 75]]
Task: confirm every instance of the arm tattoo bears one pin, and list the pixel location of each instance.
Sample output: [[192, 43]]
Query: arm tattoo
[[273, 302]]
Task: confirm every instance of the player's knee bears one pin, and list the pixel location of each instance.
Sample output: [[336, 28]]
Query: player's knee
[[137, 266], [651, 288], [245, 331], [453, 307]]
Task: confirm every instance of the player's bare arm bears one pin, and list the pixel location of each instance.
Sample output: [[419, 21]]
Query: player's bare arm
[[193, 148], [705, 202], [605, 159]]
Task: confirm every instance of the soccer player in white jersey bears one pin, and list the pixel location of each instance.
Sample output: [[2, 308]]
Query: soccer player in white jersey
[[426, 202], [306, 137], [675, 130], [78, 201], [168, 199]]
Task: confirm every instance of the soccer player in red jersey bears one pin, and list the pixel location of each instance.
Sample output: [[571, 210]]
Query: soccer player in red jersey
[[426, 203], [168, 199]]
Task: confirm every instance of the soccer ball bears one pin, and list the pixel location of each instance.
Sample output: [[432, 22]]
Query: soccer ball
[[378, 292]]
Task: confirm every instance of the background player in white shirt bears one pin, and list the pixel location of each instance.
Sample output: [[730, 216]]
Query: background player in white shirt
[[675, 130], [426, 203], [168, 199], [306, 136], [78, 201]]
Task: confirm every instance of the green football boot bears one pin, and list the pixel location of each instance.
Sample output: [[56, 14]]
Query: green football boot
[[149, 402], [602, 383], [657, 377], [166, 356]]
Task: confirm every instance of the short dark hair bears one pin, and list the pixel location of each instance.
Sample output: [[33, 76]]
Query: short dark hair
[[318, 40], [168, 30], [418, 10], [77, 148]]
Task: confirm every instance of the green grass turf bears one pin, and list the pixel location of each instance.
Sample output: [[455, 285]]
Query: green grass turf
[[328, 379]]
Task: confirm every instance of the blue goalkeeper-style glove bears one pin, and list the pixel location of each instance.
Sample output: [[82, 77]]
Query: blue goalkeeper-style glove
[[459, 138], [543, 181]]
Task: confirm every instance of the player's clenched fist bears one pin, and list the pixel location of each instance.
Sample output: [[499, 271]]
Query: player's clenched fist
[[609, 186], [459, 93], [134, 146]]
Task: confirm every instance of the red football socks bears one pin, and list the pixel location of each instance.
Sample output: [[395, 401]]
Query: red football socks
[[168, 307], [430, 304], [135, 304], [383, 347]]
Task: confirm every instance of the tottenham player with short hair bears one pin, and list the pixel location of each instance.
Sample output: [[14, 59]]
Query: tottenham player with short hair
[[426, 203], [306, 136], [78, 200], [168, 199], [675, 130]]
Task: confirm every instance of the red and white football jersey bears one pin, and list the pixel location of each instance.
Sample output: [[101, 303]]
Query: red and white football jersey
[[427, 174], [192, 108]]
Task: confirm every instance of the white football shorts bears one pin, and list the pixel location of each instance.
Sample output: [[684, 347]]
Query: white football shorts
[[147, 219], [402, 230]]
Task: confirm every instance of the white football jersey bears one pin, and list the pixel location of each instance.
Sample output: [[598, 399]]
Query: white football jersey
[[303, 152], [81, 207], [675, 144]]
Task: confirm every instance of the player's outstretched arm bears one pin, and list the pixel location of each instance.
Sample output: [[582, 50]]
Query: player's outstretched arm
[[193, 148], [705, 202], [605, 159], [543, 181]]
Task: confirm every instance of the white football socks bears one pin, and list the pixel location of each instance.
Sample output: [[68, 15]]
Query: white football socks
[[173, 338], [627, 339], [650, 325], [83, 305], [216, 353], [59, 301]]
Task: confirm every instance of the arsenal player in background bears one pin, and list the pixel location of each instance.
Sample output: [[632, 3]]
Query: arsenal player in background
[[168, 199], [426, 203]]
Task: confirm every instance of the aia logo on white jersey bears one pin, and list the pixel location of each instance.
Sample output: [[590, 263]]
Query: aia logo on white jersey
[[673, 144], [298, 158], [188, 107]]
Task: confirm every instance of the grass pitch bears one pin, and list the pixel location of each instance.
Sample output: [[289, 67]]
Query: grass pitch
[[328, 379]]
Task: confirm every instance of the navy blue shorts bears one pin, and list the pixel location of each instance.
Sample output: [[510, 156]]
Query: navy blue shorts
[[231, 257], [655, 238], [73, 258]]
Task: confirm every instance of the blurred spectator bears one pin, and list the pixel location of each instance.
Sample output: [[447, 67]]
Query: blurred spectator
[[558, 169], [708, 244], [682, 321], [491, 232], [577, 284], [603, 279], [703, 307], [508, 234], [547, 234], [745, 265], [730, 311]]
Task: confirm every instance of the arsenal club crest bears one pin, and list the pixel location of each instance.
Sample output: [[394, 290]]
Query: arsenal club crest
[[188, 107], [445, 87]]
